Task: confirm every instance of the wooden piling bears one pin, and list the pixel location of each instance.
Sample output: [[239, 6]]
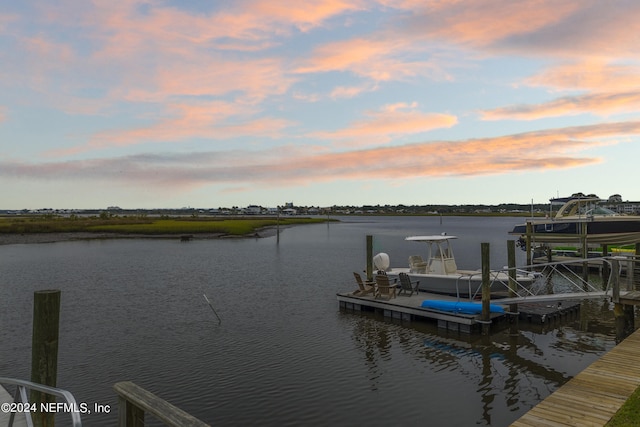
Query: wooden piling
[[513, 284], [486, 287], [585, 255], [623, 313], [605, 266], [528, 243], [44, 350], [369, 258]]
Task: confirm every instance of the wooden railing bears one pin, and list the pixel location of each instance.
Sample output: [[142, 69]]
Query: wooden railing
[[134, 402]]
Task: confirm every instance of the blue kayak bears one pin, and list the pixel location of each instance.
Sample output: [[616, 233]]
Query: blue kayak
[[460, 307]]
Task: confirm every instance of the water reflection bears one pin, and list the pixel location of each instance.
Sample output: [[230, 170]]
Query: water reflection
[[510, 372]]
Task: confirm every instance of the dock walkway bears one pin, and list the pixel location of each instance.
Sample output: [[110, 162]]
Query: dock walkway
[[592, 397]]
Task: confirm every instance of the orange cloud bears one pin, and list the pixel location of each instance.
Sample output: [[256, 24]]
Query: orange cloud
[[351, 91], [549, 149], [394, 119], [208, 120], [596, 103], [486, 22], [382, 59], [591, 75]]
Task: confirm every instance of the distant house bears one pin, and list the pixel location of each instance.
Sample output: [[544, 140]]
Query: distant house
[[289, 211], [253, 210]]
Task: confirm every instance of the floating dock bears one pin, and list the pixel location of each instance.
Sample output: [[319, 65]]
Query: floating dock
[[408, 308]]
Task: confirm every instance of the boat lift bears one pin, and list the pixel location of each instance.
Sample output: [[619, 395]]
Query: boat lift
[[560, 281]]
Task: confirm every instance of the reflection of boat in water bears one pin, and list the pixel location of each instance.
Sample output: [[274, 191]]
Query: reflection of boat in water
[[438, 273], [581, 219]]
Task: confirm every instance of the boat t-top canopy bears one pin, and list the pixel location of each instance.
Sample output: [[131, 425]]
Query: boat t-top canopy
[[434, 238], [440, 259]]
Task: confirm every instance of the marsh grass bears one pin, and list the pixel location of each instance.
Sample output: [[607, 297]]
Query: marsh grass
[[147, 226], [628, 414]]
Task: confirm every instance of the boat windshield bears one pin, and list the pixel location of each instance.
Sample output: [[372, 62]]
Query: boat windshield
[[599, 210], [586, 207]]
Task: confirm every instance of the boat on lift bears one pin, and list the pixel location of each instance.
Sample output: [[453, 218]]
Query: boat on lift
[[581, 219]]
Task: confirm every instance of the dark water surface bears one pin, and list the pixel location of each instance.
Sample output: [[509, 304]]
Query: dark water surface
[[284, 354]]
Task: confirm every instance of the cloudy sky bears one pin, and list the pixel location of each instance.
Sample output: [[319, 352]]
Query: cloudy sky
[[145, 104]]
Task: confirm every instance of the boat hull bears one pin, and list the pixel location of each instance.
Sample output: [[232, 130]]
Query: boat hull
[[462, 283]]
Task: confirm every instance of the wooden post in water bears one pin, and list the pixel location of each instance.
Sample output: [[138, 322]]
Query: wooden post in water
[[278, 226], [513, 285], [585, 254], [618, 308], [635, 275], [605, 266], [44, 350], [486, 288], [528, 243], [369, 258], [624, 314]]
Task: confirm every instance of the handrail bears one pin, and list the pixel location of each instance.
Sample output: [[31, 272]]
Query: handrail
[[21, 392], [134, 401]]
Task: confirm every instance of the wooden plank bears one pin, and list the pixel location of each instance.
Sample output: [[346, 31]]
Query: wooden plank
[[141, 399]]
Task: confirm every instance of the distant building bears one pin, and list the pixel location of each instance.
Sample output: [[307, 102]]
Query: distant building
[[253, 210]]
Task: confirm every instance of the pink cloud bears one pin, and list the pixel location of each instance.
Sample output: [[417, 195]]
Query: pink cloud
[[380, 59], [351, 91], [567, 29], [486, 22], [550, 149], [391, 120], [591, 75], [603, 104], [208, 120]]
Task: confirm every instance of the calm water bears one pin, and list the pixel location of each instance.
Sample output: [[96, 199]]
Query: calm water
[[284, 354]]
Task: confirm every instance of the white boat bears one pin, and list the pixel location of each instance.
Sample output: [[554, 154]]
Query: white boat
[[438, 272]]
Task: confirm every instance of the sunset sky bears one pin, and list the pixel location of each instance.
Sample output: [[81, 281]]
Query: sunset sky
[[148, 104]]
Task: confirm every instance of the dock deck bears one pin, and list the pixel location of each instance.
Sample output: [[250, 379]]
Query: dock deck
[[409, 307], [592, 397]]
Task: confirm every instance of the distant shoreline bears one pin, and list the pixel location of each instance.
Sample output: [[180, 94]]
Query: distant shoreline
[[55, 237]]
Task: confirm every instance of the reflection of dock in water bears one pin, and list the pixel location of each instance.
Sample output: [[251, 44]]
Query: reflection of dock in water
[[594, 395]]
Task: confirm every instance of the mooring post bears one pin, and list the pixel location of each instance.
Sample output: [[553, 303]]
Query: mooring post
[[486, 287], [605, 266], [369, 258], [513, 284], [618, 307], [585, 255], [44, 350], [635, 271], [528, 243], [623, 313]]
